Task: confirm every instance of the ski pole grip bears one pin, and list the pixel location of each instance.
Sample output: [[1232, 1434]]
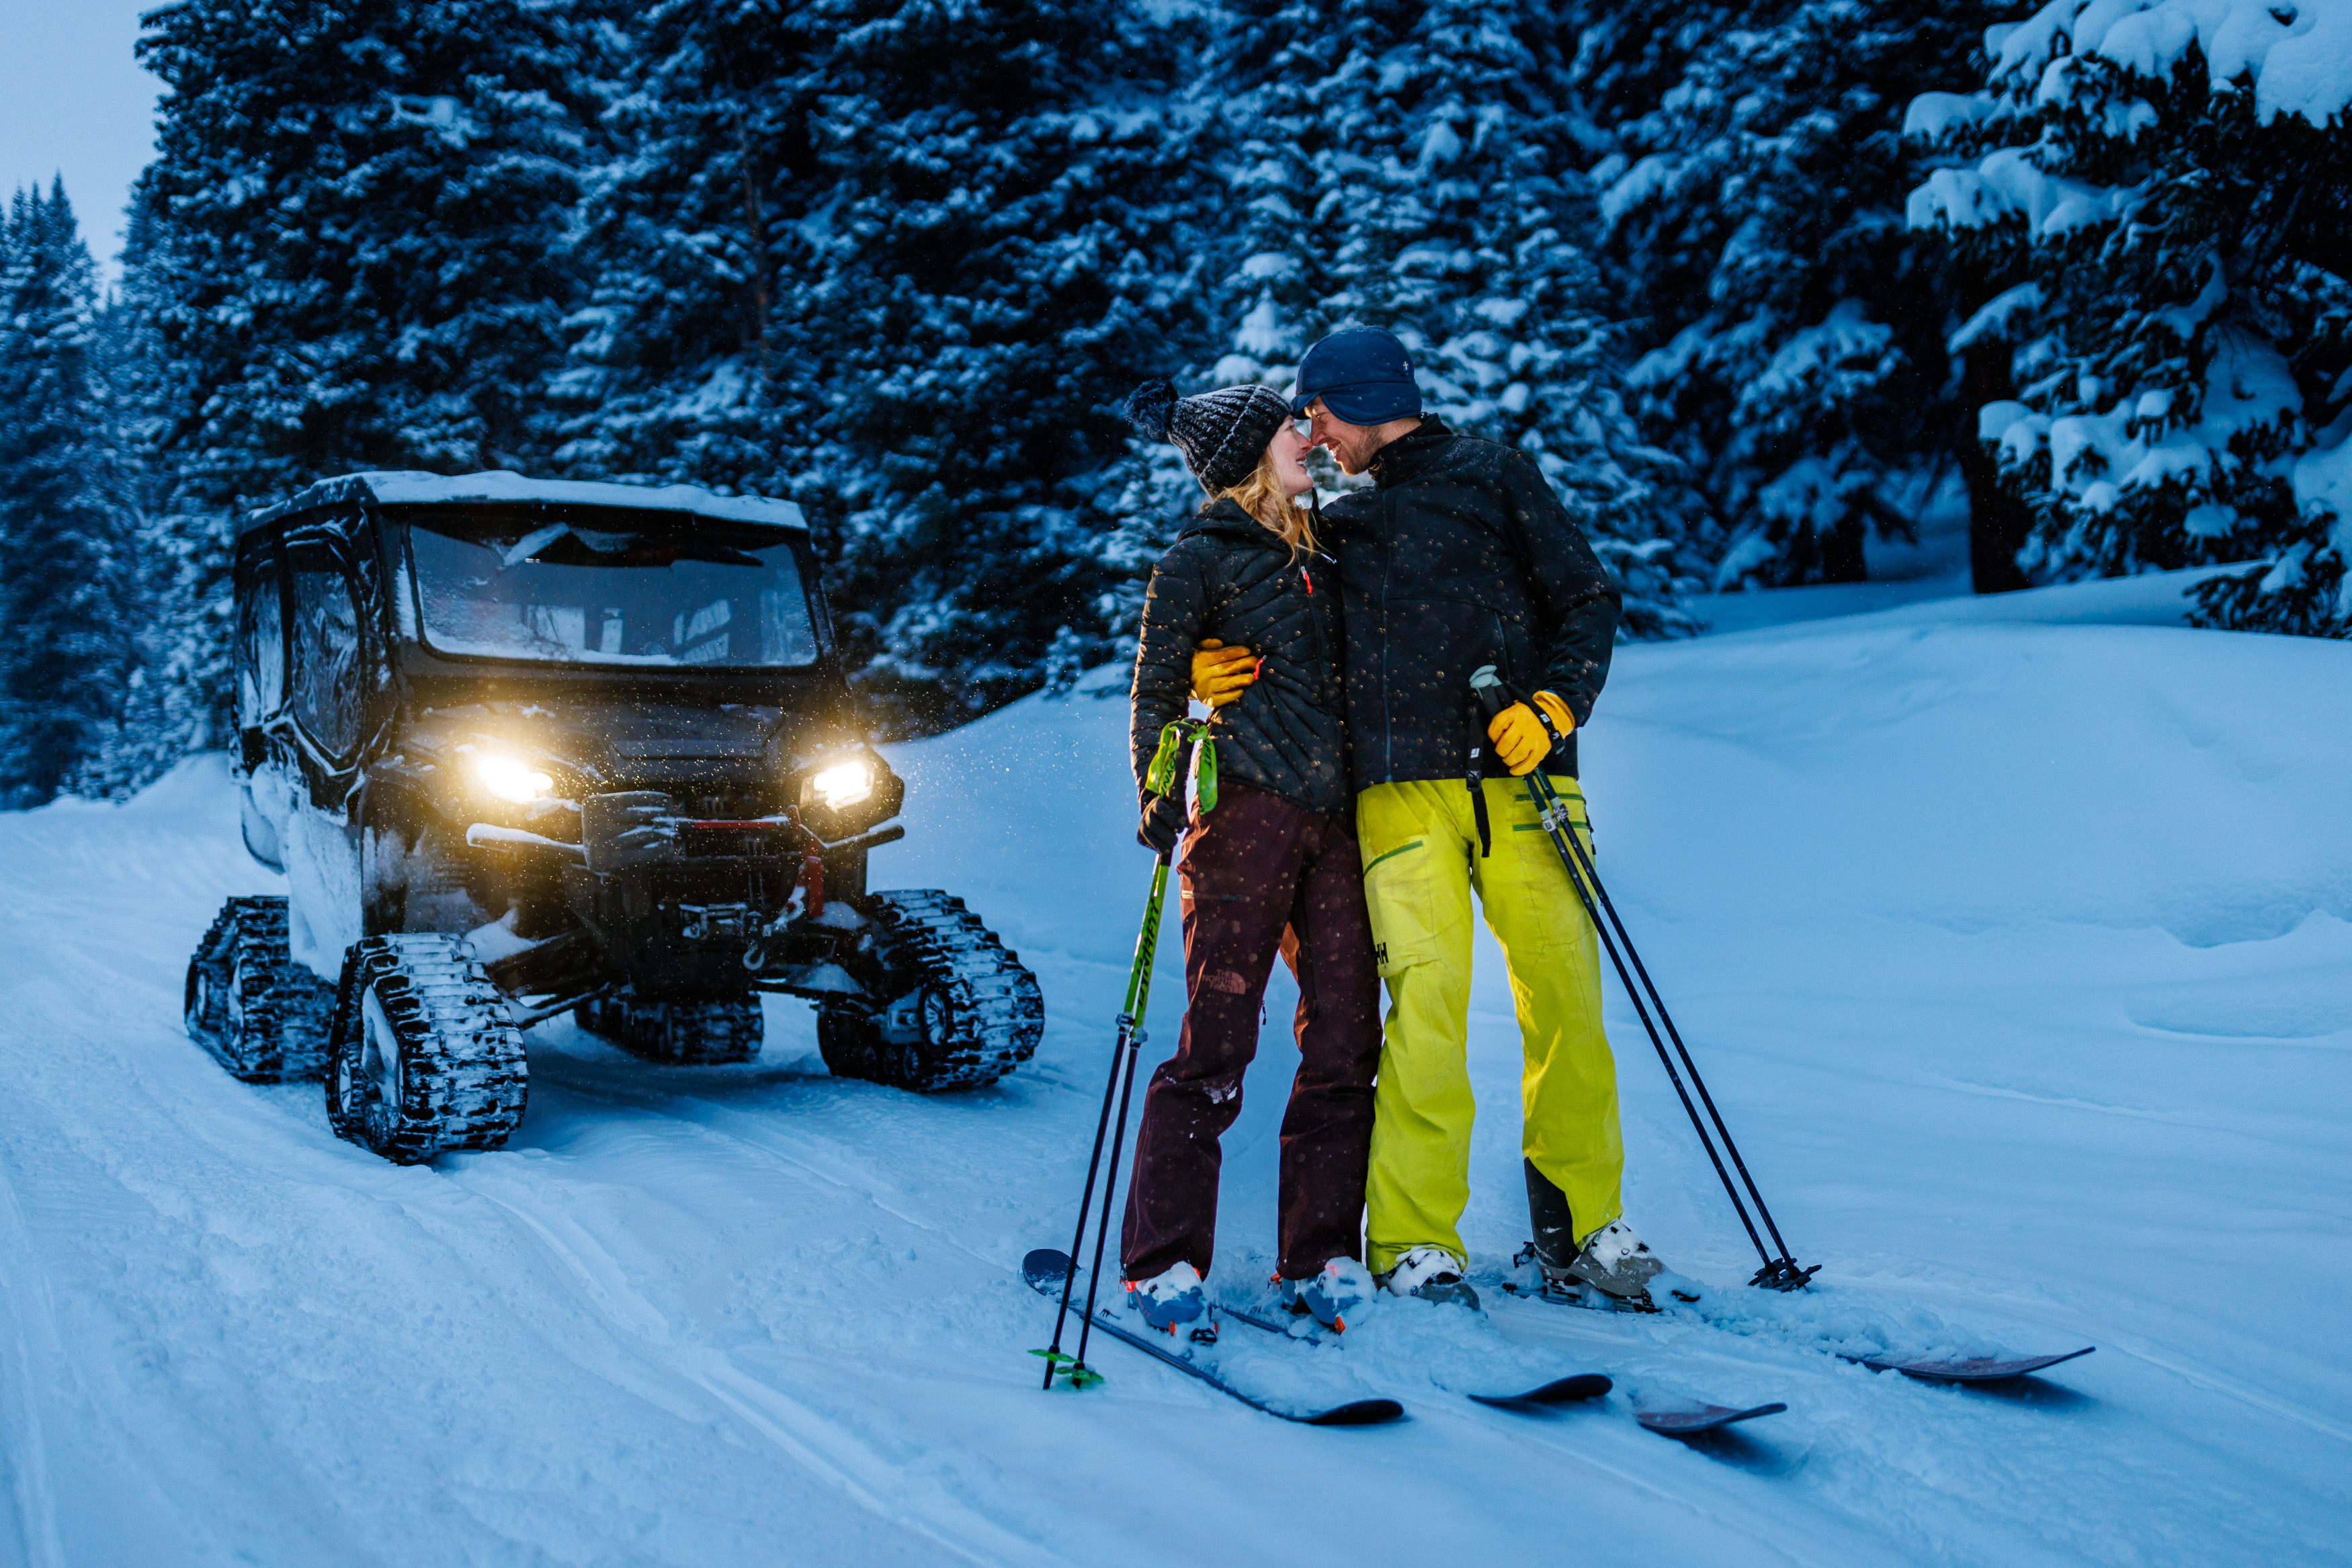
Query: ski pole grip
[[1490, 689]]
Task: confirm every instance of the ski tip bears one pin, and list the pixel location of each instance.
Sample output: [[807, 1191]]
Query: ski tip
[[1690, 1420], [1973, 1369], [1045, 1266], [1361, 1413], [1560, 1391]]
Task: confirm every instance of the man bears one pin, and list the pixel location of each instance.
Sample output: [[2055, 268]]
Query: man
[[1460, 555]]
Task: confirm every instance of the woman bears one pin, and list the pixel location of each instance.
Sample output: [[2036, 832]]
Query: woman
[[1272, 868]]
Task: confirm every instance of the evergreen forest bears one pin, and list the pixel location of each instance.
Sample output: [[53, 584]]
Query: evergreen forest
[[1760, 284]]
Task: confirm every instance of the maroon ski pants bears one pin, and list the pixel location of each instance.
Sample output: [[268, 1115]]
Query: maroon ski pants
[[1261, 876]]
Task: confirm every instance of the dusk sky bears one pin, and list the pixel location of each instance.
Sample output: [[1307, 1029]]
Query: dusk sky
[[74, 101]]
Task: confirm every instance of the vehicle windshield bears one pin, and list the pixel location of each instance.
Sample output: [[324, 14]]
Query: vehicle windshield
[[608, 586]]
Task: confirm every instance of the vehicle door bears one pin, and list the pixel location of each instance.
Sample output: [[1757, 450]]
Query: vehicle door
[[328, 659], [259, 660]]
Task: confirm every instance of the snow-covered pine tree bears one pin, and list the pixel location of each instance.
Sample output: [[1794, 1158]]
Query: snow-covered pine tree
[[681, 367], [1000, 242], [350, 255], [892, 259], [65, 585], [1414, 166], [1752, 201], [2173, 182]]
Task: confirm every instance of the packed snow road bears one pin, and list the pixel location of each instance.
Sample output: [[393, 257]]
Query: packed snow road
[[2016, 955]]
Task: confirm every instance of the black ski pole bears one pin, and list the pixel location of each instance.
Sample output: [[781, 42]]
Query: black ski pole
[[1053, 1353], [1561, 828], [1133, 1041], [1130, 1038], [1781, 1272], [1774, 1267]]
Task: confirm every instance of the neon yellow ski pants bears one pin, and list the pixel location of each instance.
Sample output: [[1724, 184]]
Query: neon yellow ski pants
[[1420, 843]]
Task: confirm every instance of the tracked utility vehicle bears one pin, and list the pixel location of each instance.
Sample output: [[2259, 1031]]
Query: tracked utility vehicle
[[524, 747]]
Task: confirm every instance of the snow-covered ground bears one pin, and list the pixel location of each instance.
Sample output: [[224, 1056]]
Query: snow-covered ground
[[2019, 953]]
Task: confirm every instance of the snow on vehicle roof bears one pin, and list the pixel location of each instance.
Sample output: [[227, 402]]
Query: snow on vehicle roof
[[408, 487]]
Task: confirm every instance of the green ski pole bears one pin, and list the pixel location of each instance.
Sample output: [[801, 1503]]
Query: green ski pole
[[1167, 766]]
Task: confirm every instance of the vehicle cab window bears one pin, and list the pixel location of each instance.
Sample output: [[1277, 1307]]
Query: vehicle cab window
[[326, 673], [607, 588], [261, 642]]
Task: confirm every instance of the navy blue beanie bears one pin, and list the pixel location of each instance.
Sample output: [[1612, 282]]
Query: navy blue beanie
[[1362, 375]]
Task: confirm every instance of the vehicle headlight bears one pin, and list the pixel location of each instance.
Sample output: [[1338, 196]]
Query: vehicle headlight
[[511, 777], [843, 784]]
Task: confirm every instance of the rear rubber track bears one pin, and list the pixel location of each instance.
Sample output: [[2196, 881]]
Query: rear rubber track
[[714, 1033], [263, 1016]]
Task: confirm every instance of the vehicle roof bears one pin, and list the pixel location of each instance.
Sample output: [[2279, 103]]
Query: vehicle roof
[[409, 487]]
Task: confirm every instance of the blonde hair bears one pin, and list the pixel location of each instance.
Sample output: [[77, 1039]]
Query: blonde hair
[[1261, 497]]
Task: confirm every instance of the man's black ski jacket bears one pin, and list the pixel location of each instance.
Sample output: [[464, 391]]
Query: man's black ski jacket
[[1228, 578], [1460, 556]]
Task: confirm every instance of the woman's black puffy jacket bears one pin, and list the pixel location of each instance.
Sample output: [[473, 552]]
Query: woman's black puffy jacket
[[1229, 577]]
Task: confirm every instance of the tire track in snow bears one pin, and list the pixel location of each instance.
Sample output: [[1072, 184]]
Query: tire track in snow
[[760, 1137], [1936, 1454], [777, 1147], [818, 1445], [1534, 1433], [2195, 1375], [25, 1298]]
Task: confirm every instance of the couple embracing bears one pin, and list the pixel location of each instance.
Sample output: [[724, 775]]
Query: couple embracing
[[1356, 815]]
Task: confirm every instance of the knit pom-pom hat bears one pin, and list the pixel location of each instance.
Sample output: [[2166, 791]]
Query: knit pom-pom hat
[[1221, 433]]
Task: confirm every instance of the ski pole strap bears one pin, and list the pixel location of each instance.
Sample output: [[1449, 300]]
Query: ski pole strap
[[1164, 777], [1160, 777]]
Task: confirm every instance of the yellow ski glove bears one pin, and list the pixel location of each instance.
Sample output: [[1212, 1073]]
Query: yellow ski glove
[[1518, 735], [1221, 674]]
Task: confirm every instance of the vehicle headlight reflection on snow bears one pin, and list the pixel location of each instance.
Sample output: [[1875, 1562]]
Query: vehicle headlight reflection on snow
[[843, 784], [511, 778]]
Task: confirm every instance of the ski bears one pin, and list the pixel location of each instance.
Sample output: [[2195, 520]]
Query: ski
[[1048, 1267], [1668, 1420], [1965, 1369], [1927, 1369], [1690, 1420], [1569, 1390]]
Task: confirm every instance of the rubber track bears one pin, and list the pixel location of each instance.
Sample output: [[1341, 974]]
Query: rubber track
[[996, 1011], [286, 1007], [683, 1034], [464, 1075]]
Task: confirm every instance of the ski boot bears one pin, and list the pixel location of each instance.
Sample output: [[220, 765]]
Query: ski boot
[[1340, 1292], [1171, 1298], [1431, 1273], [1613, 1263]]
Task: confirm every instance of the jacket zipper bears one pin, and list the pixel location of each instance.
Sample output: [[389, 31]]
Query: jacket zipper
[[1388, 570]]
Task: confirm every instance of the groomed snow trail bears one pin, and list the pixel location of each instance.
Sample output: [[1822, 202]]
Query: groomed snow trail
[[2015, 954]]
